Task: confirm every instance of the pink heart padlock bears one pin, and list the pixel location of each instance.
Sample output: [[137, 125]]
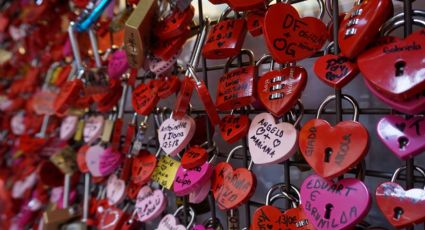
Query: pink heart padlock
[[21, 186], [93, 128], [102, 161], [174, 135], [68, 127], [169, 222], [150, 204], [403, 136], [56, 196], [330, 205], [269, 142], [118, 64], [159, 66], [115, 190], [190, 180], [198, 196], [414, 105], [17, 124]]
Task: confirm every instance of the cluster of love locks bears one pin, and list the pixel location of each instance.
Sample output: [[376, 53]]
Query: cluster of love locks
[[70, 159]]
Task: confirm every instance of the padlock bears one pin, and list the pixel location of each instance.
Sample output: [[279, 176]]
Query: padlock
[[174, 135], [279, 90], [404, 80], [174, 24], [115, 190], [170, 221], [93, 128], [150, 203], [195, 156], [353, 34], [170, 84], [271, 143], [226, 183], [65, 160], [255, 22], [142, 167], [199, 195], [213, 224], [331, 158], [159, 66], [234, 127], [272, 217], [335, 70], [112, 219], [137, 32], [401, 208], [191, 180], [236, 88], [145, 97], [402, 135], [68, 127], [225, 39], [166, 49], [289, 37], [102, 161], [241, 5], [328, 204]]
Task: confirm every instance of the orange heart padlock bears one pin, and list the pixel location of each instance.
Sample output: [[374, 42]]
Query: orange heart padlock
[[331, 158]]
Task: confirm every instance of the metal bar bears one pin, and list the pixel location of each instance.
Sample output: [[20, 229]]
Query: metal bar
[[86, 197], [66, 190]]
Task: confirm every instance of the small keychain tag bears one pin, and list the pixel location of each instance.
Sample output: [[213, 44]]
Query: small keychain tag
[[165, 171]]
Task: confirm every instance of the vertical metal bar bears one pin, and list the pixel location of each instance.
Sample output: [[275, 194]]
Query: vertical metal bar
[[86, 197], [338, 93], [185, 209], [94, 47], [75, 47], [66, 190]]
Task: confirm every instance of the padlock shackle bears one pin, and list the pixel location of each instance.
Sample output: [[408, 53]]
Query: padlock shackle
[[87, 22], [198, 48], [239, 147], [225, 13], [300, 116], [75, 47], [191, 212], [403, 168], [282, 187], [263, 59], [94, 47], [247, 52], [283, 195], [397, 21], [346, 97]]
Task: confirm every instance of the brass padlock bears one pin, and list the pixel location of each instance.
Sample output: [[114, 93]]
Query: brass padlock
[[53, 219], [137, 32], [65, 160]]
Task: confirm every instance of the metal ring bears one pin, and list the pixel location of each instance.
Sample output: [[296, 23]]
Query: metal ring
[[348, 98], [282, 196], [233, 151], [191, 212], [397, 172], [247, 52], [282, 186], [398, 21]]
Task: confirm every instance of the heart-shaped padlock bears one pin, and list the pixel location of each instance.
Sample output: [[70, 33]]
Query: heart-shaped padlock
[[333, 157], [160, 66], [225, 39], [170, 222], [233, 128], [199, 195], [195, 156], [403, 136], [291, 38], [115, 190], [236, 88], [150, 204], [169, 85], [174, 135], [117, 64], [145, 97], [270, 217], [406, 57], [68, 127], [279, 90], [189, 180], [93, 127], [166, 49], [360, 26], [68, 95], [112, 219], [269, 142], [102, 161], [237, 185], [335, 70], [401, 208], [330, 205], [175, 23], [142, 167]]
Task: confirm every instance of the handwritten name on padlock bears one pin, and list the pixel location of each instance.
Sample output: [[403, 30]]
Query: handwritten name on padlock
[[189, 180], [169, 222], [330, 205], [150, 204], [174, 135], [269, 142], [165, 171], [269, 217]]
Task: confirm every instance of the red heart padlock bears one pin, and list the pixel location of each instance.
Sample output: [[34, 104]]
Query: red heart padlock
[[291, 38], [402, 208], [404, 79], [225, 39], [236, 88], [145, 97], [168, 86], [361, 24], [195, 156], [255, 22], [333, 157], [334, 70], [279, 90], [165, 49], [112, 219], [233, 128], [68, 95], [142, 167], [183, 98], [221, 171], [174, 24]]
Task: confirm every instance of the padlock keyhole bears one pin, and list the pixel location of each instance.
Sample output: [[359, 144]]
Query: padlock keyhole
[[402, 142], [399, 68], [328, 153], [328, 211], [398, 212]]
